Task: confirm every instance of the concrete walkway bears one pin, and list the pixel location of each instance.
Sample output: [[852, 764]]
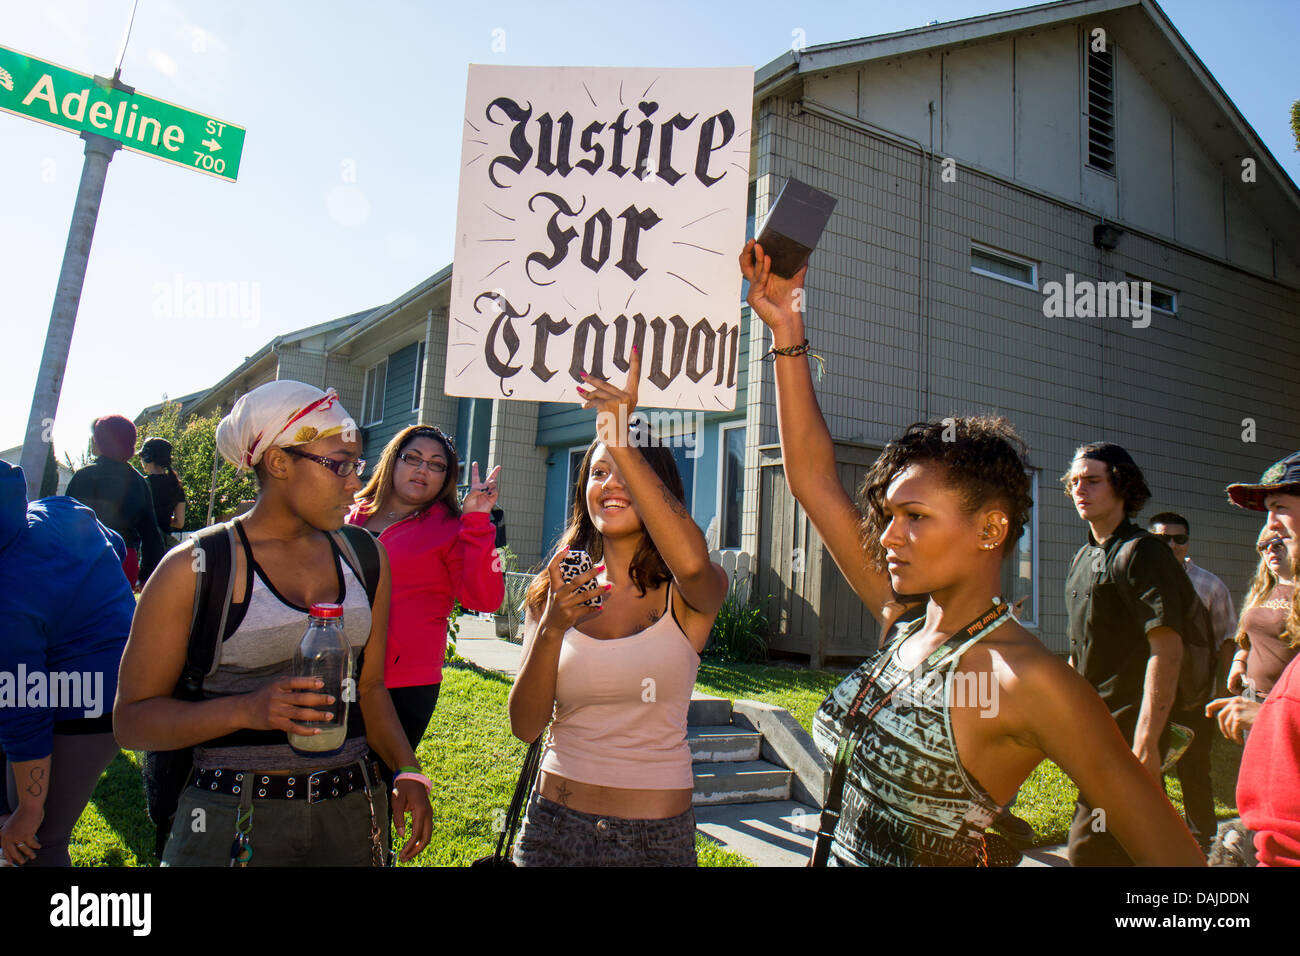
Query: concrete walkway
[[769, 834]]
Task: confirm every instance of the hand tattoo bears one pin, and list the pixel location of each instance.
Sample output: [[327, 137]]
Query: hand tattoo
[[34, 788]]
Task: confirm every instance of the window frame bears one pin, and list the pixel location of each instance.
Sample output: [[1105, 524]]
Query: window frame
[[368, 416], [1009, 257], [568, 481], [1030, 616], [1157, 287], [419, 376], [723, 429]]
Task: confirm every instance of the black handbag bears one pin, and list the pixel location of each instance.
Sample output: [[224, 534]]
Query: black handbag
[[523, 789]]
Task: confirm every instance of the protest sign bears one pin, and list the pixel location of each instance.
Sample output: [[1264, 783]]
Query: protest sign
[[599, 209]]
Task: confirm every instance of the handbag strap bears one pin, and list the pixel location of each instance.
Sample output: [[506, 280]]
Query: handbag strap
[[523, 789], [857, 722]]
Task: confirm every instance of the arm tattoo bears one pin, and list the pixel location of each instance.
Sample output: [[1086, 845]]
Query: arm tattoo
[[674, 503], [34, 788]]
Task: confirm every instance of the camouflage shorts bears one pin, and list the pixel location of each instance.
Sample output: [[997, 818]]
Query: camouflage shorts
[[553, 835]]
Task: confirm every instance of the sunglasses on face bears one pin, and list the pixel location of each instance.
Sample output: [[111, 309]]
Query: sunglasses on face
[[1273, 546], [416, 462], [342, 468], [1175, 538]]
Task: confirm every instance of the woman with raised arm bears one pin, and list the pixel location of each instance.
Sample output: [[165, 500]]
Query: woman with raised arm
[[262, 801], [616, 782], [933, 735]]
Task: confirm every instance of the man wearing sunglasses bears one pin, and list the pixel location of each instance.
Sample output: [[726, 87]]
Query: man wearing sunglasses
[[1194, 766]]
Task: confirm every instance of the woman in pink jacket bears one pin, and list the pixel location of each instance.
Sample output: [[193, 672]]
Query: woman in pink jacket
[[440, 551]]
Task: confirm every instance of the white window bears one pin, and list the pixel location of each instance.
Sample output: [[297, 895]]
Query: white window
[[1020, 570], [731, 483], [1003, 265], [419, 377], [372, 402], [1162, 299]]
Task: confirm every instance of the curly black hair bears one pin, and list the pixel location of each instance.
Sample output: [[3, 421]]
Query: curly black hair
[[986, 462], [1125, 476]]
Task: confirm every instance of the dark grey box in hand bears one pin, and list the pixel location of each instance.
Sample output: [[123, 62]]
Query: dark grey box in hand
[[794, 226]]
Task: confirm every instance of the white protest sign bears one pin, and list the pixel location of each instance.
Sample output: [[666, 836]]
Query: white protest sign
[[599, 209]]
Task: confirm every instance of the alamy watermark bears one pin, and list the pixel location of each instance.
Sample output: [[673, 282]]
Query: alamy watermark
[[654, 429], [180, 299], [1086, 299], [63, 690]]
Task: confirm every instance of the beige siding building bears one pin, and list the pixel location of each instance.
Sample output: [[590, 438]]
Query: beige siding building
[[973, 162]]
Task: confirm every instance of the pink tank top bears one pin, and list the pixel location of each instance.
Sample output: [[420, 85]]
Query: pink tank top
[[620, 708]]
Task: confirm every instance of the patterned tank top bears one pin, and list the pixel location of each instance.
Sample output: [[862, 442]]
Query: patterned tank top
[[908, 801]]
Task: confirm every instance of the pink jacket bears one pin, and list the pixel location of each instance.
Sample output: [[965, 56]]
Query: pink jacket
[[435, 558]]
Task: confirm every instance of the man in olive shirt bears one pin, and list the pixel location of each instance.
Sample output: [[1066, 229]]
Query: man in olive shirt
[[1125, 606]]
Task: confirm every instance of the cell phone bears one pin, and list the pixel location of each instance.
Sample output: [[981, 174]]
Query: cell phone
[[575, 564]]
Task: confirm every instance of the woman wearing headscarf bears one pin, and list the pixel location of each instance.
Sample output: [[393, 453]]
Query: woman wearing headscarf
[[303, 810], [119, 495]]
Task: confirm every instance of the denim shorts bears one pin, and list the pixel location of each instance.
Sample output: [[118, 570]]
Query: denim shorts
[[553, 835]]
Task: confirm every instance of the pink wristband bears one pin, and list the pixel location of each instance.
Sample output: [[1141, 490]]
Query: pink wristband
[[419, 777]]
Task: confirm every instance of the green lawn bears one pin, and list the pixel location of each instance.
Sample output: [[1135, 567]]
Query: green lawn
[[469, 752], [475, 761]]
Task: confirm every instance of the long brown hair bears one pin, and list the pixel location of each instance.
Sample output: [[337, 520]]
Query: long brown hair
[[1260, 585], [374, 496], [647, 568]]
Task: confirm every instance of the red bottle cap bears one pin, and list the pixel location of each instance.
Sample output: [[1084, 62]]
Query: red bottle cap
[[327, 610]]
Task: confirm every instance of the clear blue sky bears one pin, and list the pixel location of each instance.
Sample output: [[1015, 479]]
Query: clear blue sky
[[379, 86]]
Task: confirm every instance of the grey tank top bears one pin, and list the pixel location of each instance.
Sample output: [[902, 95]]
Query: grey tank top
[[259, 650]]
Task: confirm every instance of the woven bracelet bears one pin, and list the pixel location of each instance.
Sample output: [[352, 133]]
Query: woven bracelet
[[799, 350]]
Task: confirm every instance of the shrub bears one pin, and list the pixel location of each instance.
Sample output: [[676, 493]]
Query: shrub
[[740, 631]]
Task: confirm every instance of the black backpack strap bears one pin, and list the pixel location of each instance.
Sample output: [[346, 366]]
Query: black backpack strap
[[213, 553], [361, 550]]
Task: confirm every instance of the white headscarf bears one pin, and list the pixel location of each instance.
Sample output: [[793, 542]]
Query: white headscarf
[[280, 414]]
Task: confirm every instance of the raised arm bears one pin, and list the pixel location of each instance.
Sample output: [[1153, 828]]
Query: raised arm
[[807, 451], [473, 564], [680, 542]]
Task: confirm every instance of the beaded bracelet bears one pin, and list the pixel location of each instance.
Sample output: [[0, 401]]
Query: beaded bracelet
[[417, 777], [799, 350]]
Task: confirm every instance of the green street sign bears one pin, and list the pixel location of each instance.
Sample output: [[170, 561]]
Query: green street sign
[[69, 100]]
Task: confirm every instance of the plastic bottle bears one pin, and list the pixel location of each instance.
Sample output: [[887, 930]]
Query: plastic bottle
[[324, 653]]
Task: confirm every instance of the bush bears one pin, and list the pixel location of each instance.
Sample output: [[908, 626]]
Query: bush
[[194, 445], [740, 631]]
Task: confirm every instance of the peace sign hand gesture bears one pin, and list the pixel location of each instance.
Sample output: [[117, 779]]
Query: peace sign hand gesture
[[482, 495]]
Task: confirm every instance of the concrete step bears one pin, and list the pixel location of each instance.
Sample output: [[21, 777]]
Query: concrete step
[[771, 833], [745, 781], [706, 711], [723, 743]]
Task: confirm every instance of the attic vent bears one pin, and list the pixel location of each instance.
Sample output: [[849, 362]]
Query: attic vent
[[1101, 109]]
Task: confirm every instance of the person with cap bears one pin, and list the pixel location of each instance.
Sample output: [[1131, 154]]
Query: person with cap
[[1126, 606], [66, 610], [305, 452], [168, 495], [120, 496], [1268, 782]]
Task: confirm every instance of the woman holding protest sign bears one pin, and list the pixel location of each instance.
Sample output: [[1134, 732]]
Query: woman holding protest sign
[[267, 795], [935, 733], [616, 782]]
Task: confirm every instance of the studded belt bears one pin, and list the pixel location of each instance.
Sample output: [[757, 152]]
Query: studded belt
[[312, 787]]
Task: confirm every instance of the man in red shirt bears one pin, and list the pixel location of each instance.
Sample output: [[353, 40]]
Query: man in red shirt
[[1268, 784]]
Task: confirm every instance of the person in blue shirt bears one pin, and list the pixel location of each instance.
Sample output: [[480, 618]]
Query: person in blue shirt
[[65, 613]]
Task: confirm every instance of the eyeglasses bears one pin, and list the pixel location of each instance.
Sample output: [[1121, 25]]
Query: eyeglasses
[[415, 461], [1277, 544], [342, 468], [1175, 538]]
